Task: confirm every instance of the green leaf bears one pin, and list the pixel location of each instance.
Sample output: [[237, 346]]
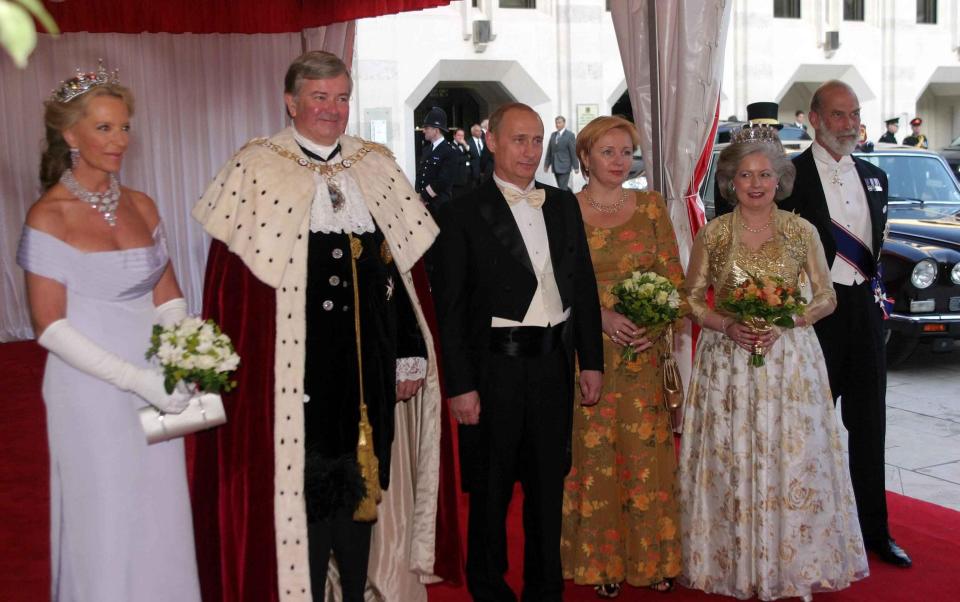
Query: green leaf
[[17, 33], [784, 322]]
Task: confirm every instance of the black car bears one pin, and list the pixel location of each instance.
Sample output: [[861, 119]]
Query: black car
[[952, 155], [921, 254]]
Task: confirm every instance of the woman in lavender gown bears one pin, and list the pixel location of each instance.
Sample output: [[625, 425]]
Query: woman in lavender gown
[[98, 277]]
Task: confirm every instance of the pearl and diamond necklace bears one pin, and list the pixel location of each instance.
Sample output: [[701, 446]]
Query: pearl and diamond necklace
[[104, 202]]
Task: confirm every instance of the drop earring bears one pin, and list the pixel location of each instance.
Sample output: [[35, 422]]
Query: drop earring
[[74, 157]]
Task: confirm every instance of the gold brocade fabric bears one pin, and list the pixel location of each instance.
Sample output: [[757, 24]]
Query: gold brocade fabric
[[620, 510], [767, 508], [720, 260]]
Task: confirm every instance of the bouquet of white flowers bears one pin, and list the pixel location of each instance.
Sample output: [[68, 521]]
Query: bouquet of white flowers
[[196, 352], [648, 300]]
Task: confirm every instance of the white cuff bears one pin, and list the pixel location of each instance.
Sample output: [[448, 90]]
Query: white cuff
[[171, 312], [411, 368]]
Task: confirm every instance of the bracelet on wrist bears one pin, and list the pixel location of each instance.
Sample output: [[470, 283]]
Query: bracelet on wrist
[[724, 324]]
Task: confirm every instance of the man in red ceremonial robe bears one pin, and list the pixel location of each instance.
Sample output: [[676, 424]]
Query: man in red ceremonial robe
[[337, 407]]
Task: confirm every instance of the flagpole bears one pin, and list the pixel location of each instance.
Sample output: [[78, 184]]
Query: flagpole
[[655, 170]]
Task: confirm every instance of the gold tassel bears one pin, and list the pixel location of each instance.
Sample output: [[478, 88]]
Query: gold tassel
[[369, 469], [367, 460]]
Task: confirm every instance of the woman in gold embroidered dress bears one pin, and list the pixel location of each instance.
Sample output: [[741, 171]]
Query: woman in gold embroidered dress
[[620, 511], [767, 507]]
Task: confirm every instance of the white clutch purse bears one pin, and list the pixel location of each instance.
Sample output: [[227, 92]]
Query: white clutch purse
[[205, 411]]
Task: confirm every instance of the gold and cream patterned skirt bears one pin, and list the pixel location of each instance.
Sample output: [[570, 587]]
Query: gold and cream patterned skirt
[[767, 508]]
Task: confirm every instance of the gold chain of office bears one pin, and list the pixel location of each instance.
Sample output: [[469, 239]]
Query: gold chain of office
[[325, 170]]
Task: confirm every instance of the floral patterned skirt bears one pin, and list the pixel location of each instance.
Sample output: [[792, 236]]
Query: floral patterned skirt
[[767, 508], [621, 511]]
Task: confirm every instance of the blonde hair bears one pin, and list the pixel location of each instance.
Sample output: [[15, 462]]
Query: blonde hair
[[596, 129], [60, 116]]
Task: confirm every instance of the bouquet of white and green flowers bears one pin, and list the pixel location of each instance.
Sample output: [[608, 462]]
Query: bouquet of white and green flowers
[[648, 300], [196, 352]]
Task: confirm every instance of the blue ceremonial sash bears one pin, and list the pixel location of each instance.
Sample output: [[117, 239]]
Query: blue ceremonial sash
[[852, 250]]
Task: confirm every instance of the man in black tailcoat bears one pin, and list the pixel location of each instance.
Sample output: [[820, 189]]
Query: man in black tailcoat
[[516, 302], [846, 199]]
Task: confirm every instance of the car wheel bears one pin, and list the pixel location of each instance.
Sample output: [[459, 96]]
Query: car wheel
[[899, 348]]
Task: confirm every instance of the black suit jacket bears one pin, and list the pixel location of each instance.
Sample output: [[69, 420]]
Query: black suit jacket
[[476, 156], [810, 202], [483, 270]]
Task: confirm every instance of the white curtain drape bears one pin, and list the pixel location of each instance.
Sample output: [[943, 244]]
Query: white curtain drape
[[198, 99], [691, 39]]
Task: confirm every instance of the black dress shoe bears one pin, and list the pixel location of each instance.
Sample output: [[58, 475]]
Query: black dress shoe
[[890, 552]]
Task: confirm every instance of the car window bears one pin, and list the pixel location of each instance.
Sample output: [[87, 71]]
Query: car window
[[956, 141], [919, 178]]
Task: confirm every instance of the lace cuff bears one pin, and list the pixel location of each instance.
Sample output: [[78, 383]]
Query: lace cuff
[[411, 368]]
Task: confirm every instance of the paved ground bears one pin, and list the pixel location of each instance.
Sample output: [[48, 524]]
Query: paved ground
[[923, 427]]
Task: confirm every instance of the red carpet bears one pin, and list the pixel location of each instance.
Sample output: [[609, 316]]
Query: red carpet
[[930, 533]]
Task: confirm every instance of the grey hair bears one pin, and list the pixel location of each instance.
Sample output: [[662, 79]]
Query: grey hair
[[730, 159], [316, 64]]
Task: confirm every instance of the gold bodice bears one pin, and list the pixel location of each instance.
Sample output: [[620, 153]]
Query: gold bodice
[[719, 259]]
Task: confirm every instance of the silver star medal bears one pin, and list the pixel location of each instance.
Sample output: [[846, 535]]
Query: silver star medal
[[836, 177]]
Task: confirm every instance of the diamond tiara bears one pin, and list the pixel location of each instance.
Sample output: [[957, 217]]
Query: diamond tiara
[[83, 82], [756, 133]]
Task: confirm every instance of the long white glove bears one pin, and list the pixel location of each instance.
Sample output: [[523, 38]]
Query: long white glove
[[83, 354], [171, 312]]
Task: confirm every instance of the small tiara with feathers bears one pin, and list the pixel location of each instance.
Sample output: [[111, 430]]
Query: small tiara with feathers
[[756, 133], [84, 82]]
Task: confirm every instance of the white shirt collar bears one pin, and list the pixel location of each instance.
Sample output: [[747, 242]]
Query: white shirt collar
[[504, 184], [437, 142], [823, 156], [561, 131], [317, 149]]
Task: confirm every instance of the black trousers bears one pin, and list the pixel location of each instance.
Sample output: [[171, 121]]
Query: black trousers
[[853, 346], [349, 541], [563, 180], [524, 434]]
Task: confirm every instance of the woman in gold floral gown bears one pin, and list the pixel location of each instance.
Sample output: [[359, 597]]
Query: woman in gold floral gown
[[767, 507], [620, 510]]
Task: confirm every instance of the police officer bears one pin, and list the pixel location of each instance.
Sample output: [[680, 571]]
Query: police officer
[[915, 138], [438, 167], [889, 136]]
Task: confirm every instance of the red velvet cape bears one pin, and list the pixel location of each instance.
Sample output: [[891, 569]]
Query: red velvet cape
[[231, 468]]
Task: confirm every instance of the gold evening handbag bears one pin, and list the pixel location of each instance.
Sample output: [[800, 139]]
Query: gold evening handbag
[[672, 383]]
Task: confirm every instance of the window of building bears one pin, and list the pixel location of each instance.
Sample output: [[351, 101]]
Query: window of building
[[518, 3], [786, 9], [927, 11], [853, 10]]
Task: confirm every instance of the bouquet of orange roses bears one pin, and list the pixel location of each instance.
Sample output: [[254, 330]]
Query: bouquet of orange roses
[[764, 302]]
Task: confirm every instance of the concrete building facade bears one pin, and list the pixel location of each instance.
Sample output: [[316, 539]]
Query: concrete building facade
[[561, 57]]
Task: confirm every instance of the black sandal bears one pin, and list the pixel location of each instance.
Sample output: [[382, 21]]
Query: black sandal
[[663, 587], [607, 590]]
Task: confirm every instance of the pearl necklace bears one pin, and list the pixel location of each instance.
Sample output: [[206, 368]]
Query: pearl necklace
[[743, 224], [104, 202], [608, 209]]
